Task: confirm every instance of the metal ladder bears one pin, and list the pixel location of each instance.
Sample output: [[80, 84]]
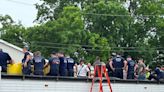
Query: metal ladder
[[100, 70]]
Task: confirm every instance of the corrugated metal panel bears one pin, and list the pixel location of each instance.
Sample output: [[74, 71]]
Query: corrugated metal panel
[[14, 85], [42, 86]]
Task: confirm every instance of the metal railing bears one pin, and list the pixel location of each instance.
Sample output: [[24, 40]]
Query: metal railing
[[0, 72]]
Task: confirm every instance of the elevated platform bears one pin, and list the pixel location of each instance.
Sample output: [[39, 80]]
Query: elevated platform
[[15, 83]]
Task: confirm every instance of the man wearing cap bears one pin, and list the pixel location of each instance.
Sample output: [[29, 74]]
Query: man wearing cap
[[82, 69], [4, 60]]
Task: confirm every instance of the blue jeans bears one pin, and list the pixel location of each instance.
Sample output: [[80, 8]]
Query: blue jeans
[[141, 77]]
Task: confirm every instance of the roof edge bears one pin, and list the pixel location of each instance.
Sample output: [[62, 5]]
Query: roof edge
[[10, 45]]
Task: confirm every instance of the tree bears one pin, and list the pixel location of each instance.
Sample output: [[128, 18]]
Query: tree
[[10, 31], [95, 28], [67, 34], [65, 30]]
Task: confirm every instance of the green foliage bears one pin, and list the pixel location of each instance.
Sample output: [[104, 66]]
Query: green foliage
[[10, 31], [93, 28]]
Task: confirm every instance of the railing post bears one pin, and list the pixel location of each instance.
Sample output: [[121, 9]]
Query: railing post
[[0, 72]]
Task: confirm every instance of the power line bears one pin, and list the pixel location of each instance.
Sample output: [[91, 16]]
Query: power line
[[53, 47], [97, 50], [118, 15], [77, 45], [93, 49], [20, 2]]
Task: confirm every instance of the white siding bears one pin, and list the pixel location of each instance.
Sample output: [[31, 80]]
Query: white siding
[[17, 85], [14, 51]]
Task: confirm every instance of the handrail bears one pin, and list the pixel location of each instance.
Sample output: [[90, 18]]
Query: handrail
[[81, 79], [0, 72]]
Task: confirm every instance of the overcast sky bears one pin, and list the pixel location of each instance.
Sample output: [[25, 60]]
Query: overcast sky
[[19, 10]]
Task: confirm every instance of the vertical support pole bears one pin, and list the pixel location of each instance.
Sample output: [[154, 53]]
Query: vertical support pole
[[93, 78], [100, 81], [108, 78], [0, 72], [101, 75]]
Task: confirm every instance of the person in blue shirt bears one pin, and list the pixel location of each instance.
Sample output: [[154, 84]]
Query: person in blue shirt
[[159, 73], [62, 66], [4, 60], [117, 65], [54, 63], [130, 68], [70, 64], [26, 62], [39, 63]]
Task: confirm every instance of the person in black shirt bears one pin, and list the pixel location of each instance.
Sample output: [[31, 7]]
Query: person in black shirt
[[63, 63], [110, 72], [70, 64], [117, 65], [26, 62], [39, 63], [54, 64], [131, 67], [4, 60]]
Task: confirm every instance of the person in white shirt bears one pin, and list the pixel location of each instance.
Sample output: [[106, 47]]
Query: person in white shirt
[[83, 69], [91, 68]]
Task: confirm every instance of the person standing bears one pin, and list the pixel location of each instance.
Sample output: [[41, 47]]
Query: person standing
[[54, 64], [62, 66], [4, 60], [141, 69], [110, 72], [117, 65], [130, 68], [83, 69], [26, 62], [97, 61], [75, 70], [39, 63], [91, 68], [70, 64]]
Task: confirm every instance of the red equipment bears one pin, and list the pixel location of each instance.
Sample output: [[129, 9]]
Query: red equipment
[[100, 70]]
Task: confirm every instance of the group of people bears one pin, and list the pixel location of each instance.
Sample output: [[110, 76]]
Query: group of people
[[61, 65], [130, 69]]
